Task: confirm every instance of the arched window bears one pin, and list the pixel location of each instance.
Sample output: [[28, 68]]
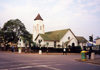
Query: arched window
[[73, 44], [43, 26], [35, 28], [68, 38], [40, 27]]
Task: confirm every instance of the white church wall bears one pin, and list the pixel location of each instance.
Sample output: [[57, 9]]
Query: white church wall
[[60, 45], [73, 41], [72, 38], [40, 38], [51, 43], [38, 28], [44, 43]]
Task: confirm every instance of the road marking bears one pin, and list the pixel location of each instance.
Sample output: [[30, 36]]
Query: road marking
[[59, 64], [46, 66], [29, 66], [26, 67], [3, 69], [20, 61]]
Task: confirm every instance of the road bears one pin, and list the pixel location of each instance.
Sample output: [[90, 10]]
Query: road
[[14, 61]]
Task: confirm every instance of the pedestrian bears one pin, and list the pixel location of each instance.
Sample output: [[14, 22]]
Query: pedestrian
[[64, 51], [12, 48], [69, 49], [89, 52], [3, 46]]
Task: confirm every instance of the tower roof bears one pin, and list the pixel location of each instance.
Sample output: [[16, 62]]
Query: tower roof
[[38, 17]]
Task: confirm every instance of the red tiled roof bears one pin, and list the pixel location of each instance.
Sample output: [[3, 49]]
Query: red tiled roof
[[38, 17]]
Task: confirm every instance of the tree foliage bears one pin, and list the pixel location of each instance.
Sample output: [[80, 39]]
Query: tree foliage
[[1, 36], [13, 29], [14, 26]]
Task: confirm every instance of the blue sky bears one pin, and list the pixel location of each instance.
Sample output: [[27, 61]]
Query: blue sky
[[81, 16]]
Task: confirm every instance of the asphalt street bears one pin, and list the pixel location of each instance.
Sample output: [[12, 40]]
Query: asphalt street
[[14, 61]]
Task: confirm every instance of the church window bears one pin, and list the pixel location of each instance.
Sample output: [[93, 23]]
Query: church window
[[39, 41], [73, 44], [35, 28], [43, 26], [40, 27], [68, 38]]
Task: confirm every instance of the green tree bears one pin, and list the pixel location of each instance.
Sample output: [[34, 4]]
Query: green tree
[[27, 37], [1, 36], [14, 26], [13, 29]]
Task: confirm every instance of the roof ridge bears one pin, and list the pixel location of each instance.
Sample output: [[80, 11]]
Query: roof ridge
[[79, 36], [57, 30]]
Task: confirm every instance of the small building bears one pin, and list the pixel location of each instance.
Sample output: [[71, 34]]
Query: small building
[[21, 42], [98, 41], [81, 41]]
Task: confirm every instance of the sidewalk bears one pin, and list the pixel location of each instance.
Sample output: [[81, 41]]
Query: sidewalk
[[44, 53], [95, 61]]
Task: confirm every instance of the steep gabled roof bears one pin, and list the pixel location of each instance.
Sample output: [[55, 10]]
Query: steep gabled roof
[[54, 35], [38, 17], [81, 39]]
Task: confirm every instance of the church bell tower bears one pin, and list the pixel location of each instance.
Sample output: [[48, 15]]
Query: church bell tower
[[38, 26]]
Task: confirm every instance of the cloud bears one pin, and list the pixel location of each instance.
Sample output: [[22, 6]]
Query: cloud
[[57, 14], [60, 6]]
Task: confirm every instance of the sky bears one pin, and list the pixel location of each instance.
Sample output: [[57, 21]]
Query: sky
[[81, 16]]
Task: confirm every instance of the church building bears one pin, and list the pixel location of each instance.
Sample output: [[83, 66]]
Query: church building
[[56, 39]]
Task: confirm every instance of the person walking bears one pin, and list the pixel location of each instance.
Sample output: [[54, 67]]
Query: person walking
[[69, 49], [89, 52], [12, 48], [64, 51]]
